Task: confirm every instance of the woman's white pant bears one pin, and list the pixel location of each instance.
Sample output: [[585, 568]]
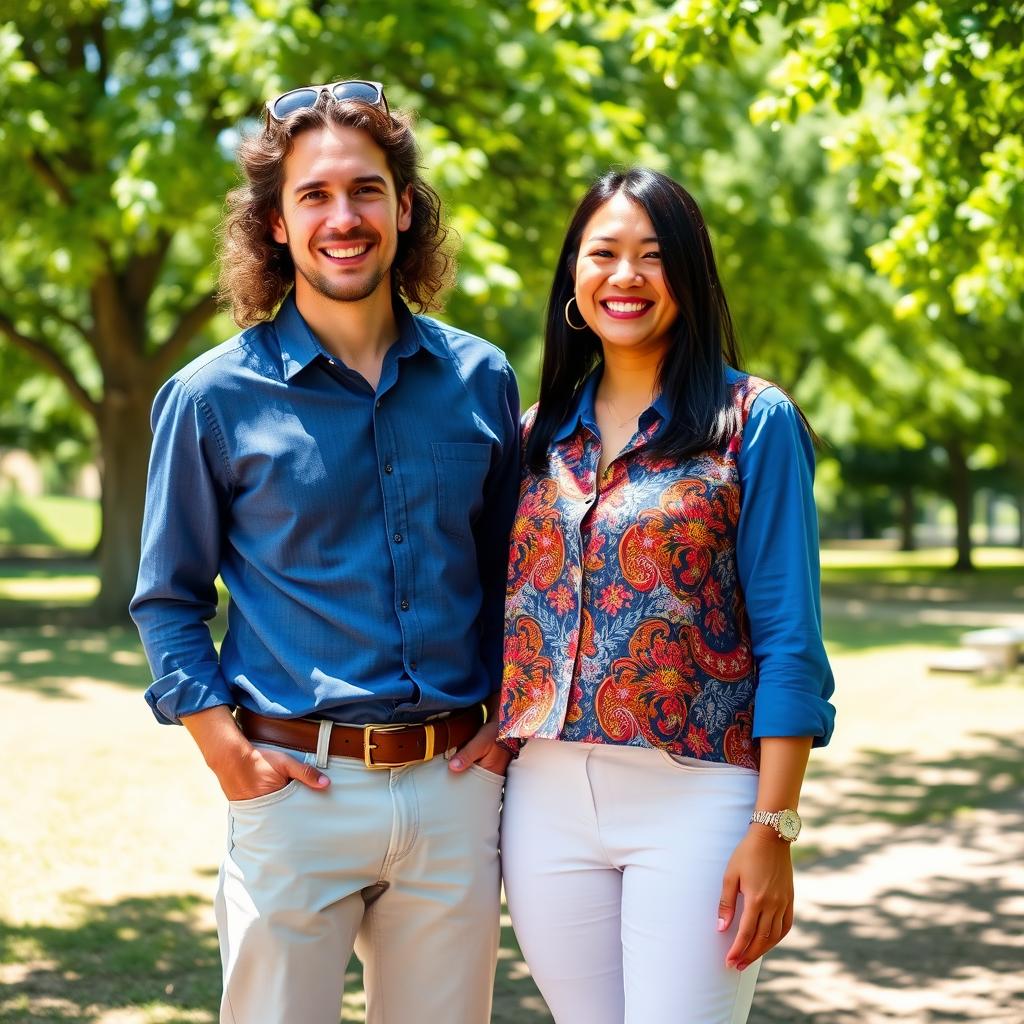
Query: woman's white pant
[[613, 860]]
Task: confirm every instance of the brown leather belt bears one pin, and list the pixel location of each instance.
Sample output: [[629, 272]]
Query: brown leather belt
[[377, 746]]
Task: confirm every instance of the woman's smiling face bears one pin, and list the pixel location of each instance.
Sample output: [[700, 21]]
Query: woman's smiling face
[[621, 289]]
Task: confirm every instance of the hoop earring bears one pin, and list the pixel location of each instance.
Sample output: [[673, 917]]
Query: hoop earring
[[584, 325]]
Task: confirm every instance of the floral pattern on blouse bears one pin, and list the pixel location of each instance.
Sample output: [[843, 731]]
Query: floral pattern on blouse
[[625, 620]]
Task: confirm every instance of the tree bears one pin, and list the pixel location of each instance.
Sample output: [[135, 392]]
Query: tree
[[932, 99], [116, 151]]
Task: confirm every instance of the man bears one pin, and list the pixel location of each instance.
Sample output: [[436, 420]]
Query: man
[[350, 471]]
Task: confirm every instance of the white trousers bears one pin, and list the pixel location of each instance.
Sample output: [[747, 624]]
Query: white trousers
[[401, 864], [613, 860]]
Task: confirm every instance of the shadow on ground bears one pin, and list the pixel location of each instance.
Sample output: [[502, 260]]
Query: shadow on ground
[[137, 952], [902, 789], [48, 659], [912, 952], [155, 956], [847, 635], [917, 911], [921, 583], [19, 522]]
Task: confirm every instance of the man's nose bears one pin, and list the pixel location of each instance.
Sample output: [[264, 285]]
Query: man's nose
[[343, 216]]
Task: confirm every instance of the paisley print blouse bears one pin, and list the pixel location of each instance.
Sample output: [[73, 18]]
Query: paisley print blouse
[[669, 604]]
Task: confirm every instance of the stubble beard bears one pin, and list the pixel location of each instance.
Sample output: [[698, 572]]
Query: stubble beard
[[337, 292]]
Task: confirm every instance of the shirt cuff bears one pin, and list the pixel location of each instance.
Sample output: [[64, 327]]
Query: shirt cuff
[[182, 692], [793, 711]]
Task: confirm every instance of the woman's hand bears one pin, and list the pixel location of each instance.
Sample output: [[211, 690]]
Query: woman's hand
[[761, 868]]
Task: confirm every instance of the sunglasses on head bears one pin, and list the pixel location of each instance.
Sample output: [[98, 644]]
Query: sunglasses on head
[[307, 96]]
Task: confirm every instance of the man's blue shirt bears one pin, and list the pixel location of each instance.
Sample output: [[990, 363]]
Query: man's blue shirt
[[362, 535]]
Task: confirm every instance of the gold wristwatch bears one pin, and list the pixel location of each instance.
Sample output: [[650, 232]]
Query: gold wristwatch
[[785, 822]]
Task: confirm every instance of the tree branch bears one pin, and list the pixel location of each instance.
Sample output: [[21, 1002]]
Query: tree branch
[[28, 51], [99, 40], [49, 177], [68, 321], [50, 360], [143, 271], [76, 48], [192, 321]]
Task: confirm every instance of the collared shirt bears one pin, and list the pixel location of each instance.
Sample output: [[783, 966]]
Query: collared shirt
[[670, 604], [361, 533]]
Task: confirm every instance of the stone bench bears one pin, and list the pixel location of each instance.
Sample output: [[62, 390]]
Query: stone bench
[[999, 647]]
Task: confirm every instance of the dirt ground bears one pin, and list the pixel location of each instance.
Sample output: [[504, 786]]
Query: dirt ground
[[910, 889]]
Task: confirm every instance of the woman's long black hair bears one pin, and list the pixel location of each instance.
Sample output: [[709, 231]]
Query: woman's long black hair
[[692, 374]]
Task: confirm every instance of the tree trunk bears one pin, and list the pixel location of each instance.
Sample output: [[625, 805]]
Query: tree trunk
[[908, 513], [991, 511], [124, 451], [960, 492], [1020, 519]]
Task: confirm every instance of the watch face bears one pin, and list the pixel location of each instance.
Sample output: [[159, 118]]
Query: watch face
[[789, 825]]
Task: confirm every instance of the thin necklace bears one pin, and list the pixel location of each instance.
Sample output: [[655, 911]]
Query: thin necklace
[[617, 413]]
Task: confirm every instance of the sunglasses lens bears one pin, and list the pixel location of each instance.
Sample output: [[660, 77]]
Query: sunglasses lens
[[356, 91], [292, 101]]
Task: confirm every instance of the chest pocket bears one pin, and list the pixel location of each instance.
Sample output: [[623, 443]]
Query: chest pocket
[[461, 469]]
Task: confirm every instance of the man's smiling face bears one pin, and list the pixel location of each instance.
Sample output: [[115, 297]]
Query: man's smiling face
[[340, 215]]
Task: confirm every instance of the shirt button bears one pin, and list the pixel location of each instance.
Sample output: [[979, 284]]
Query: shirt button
[[404, 605], [413, 665], [398, 538], [388, 468], [376, 404]]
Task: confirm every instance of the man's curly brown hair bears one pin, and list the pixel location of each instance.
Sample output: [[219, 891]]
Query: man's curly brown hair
[[257, 272]]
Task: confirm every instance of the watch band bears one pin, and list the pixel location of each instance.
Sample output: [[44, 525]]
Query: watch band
[[786, 822]]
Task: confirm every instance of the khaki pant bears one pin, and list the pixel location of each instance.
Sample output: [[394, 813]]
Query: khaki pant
[[401, 864]]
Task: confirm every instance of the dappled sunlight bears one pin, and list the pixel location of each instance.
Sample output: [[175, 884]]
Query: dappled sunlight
[[62, 589], [843, 554], [904, 788], [145, 960], [909, 884], [516, 998], [34, 657], [912, 904], [50, 660]]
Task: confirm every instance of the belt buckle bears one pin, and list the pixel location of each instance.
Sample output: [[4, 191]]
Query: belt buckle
[[368, 746]]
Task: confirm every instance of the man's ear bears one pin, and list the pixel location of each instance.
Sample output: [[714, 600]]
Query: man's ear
[[405, 209], [278, 231]]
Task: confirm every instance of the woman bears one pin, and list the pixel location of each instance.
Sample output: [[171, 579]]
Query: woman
[[665, 677]]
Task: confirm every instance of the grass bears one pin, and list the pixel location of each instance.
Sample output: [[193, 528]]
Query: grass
[[111, 827], [49, 524], [886, 574]]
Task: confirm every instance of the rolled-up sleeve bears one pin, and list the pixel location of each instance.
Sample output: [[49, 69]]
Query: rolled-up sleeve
[[777, 560], [176, 595]]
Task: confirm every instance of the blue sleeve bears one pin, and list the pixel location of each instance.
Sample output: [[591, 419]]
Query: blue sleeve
[[777, 559], [501, 495], [186, 496]]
